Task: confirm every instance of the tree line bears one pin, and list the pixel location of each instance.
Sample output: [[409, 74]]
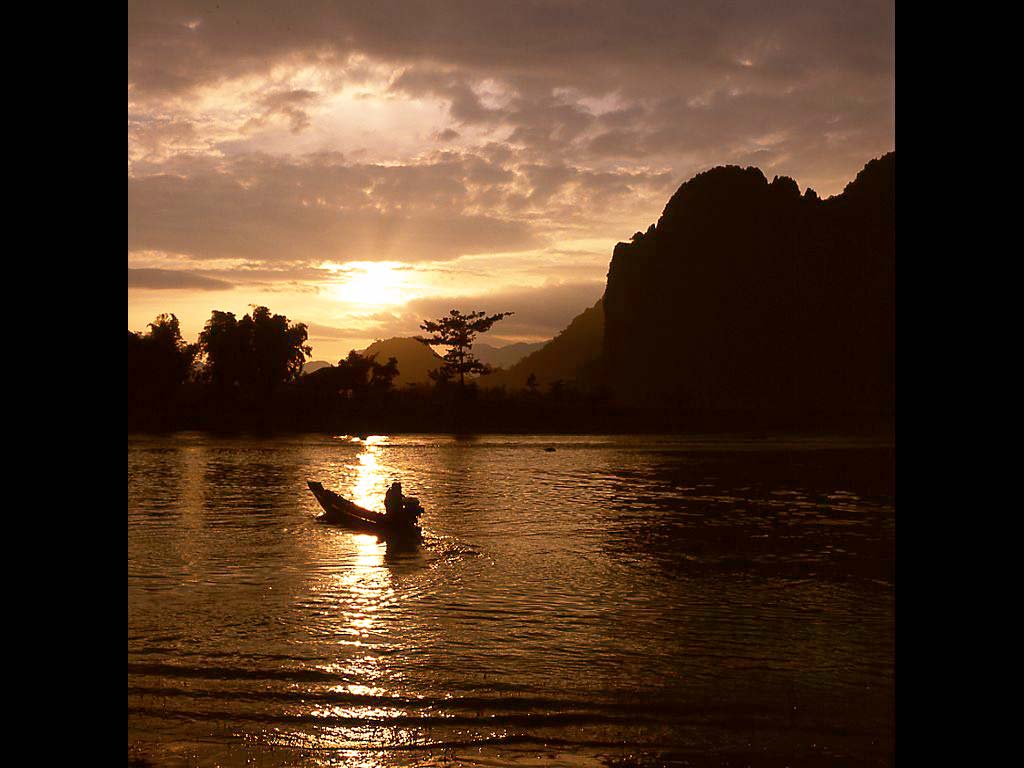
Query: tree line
[[246, 373], [248, 359]]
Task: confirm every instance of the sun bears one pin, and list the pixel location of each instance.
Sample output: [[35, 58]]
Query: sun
[[372, 283]]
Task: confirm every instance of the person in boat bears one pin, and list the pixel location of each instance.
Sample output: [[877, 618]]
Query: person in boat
[[394, 504]]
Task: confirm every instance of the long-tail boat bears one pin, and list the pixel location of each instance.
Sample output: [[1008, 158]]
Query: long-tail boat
[[340, 511]]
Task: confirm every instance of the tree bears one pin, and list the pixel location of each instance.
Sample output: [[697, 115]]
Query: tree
[[256, 353], [356, 375], [223, 351], [159, 359], [158, 363], [382, 377], [280, 348], [458, 332]]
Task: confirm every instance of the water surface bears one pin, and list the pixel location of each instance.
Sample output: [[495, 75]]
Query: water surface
[[696, 597]]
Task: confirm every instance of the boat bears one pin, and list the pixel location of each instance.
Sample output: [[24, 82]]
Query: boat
[[340, 511]]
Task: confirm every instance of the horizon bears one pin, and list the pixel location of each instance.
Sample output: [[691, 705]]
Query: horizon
[[360, 182]]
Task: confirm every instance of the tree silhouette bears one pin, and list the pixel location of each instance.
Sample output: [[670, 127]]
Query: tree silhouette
[[356, 375], [254, 354], [382, 377], [279, 347], [158, 363], [458, 332], [160, 357], [222, 349]]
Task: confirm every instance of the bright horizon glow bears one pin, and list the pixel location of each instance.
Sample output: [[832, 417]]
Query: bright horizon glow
[[370, 283]]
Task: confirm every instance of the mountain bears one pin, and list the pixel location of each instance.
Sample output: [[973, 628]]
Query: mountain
[[313, 366], [749, 297], [415, 359], [569, 356], [507, 356]]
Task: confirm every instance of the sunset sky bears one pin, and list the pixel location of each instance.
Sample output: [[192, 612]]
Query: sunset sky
[[360, 166]]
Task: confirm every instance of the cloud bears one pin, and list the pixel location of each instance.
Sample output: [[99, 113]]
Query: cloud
[[326, 332], [287, 104], [267, 210], [678, 85], [554, 76], [319, 209], [181, 44], [171, 279]]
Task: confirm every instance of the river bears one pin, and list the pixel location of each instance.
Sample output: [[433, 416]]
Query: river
[[577, 599]]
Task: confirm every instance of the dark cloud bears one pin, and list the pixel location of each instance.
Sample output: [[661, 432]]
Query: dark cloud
[[688, 84], [542, 57], [290, 273], [288, 104], [615, 143], [179, 44], [464, 104], [170, 279]]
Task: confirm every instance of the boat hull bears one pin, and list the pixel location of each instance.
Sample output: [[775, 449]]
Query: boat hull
[[342, 512]]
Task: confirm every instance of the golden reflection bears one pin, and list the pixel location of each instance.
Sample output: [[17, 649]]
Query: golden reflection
[[369, 488], [372, 479], [366, 582], [358, 690], [359, 587]]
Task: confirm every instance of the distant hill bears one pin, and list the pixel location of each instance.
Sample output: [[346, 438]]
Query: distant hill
[[748, 297], [415, 359], [568, 357], [507, 356], [314, 365]]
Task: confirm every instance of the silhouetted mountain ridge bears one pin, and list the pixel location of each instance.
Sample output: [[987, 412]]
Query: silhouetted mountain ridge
[[749, 297], [506, 356], [415, 359], [568, 357], [312, 366]]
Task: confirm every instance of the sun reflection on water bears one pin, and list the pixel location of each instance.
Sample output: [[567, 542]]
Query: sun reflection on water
[[371, 477], [366, 587], [363, 593]]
